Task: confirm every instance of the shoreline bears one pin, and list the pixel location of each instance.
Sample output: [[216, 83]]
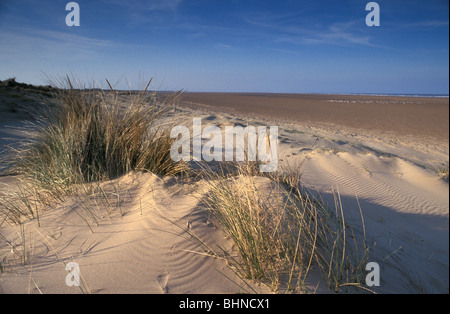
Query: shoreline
[[416, 146], [412, 116]]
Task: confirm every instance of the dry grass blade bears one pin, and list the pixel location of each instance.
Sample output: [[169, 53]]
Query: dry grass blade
[[83, 136], [87, 136], [282, 231]]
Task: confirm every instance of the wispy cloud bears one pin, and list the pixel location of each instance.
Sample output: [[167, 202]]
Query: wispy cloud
[[163, 5], [222, 46], [334, 34], [48, 44], [339, 33], [147, 5], [430, 24], [156, 14]]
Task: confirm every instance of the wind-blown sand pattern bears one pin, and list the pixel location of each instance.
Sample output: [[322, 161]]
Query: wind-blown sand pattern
[[388, 169]]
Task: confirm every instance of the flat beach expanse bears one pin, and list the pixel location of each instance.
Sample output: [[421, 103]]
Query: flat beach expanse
[[417, 116], [386, 156]]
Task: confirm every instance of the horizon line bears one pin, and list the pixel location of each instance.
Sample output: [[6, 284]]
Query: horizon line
[[425, 95]]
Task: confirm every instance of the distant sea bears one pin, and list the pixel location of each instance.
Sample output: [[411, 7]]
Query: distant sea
[[357, 94], [402, 95]]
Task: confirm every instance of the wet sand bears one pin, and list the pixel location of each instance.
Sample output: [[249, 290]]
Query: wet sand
[[413, 116]]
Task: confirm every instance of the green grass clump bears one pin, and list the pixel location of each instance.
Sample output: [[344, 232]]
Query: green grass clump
[[281, 232], [88, 135]]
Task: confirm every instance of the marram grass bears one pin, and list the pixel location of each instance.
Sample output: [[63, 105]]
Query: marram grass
[[88, 135], [282, 232]]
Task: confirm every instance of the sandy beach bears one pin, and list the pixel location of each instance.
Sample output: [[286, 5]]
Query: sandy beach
[[413, 128], [380, 152], [386, 156], [416, 116]]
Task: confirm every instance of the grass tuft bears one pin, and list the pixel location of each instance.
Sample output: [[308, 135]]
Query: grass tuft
[[88, 135], [282, 234]]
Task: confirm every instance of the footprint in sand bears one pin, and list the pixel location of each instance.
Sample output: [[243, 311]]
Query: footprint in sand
[[162, 280]]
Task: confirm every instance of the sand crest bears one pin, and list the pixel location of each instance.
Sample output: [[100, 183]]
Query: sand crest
[[146, 250], [141, 239]]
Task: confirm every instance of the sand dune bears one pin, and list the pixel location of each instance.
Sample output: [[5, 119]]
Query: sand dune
[[145, 244], [147, 250], [405, 209], [404, 201]]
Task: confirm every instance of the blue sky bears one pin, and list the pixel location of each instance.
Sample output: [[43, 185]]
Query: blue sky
[[316, 46]]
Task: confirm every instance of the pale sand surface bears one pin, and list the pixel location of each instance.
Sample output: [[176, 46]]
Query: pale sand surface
[[413, 128], [388, 172], [141, 252]]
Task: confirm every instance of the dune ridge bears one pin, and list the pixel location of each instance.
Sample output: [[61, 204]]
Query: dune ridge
[[144, 251], [138, 239]]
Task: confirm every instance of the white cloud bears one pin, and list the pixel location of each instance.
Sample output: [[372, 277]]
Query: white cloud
[[35, 44], [223, 46], [432, 23], [147, 5], [334, 34], [163, 5]]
